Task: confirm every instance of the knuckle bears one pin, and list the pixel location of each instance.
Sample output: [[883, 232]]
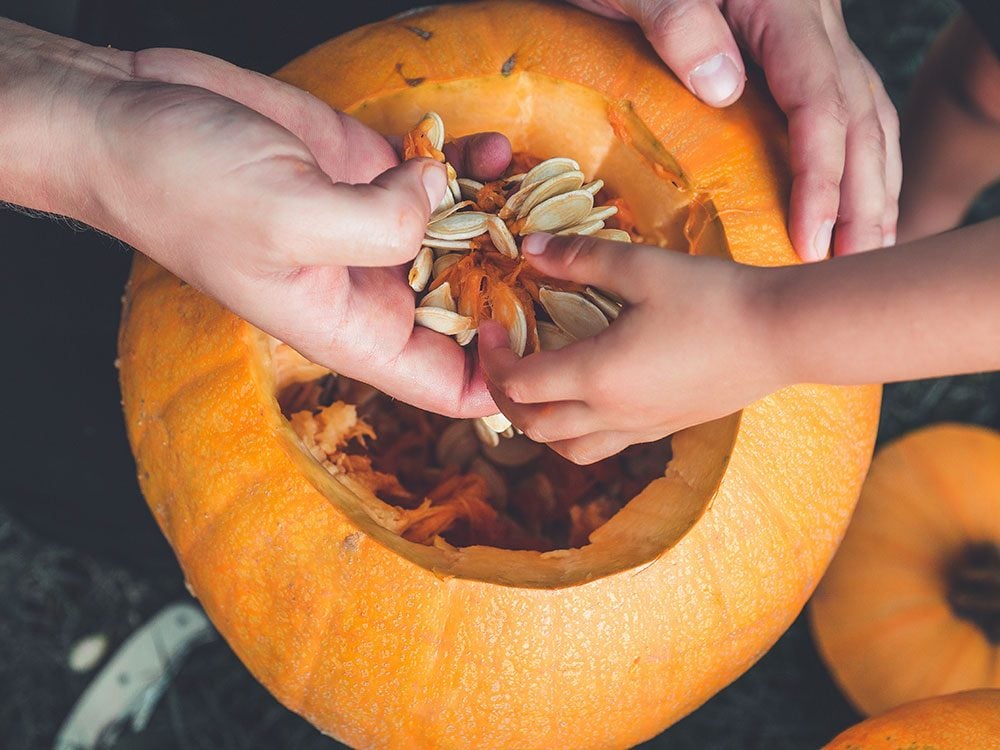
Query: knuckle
[[533, 430], [578, 250], [514, 390], [406, 227]]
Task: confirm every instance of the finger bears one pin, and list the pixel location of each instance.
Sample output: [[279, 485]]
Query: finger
[[316, 222], [594, 447], [889, 119], [549, 422], [694, 40], [619, 267], [863, 189], [802, 74], [481, 156], [537, 378]]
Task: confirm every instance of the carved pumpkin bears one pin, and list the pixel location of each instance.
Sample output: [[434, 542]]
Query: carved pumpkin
[[961, 721], [910, 607], [386, 642]]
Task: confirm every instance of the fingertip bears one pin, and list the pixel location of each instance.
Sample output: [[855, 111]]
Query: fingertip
[[492, 336], [534, 244], [718, 81], [487, 156]]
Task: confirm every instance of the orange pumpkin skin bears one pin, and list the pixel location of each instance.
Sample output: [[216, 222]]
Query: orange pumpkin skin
[[382, 644], [881, 616], [960, 721]]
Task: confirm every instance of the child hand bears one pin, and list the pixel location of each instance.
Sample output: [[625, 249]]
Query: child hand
[[691, 345]]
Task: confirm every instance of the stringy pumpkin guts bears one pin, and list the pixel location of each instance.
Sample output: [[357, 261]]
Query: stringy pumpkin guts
[[470, 267]]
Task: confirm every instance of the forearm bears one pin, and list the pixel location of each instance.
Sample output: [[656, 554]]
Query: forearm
[[928, 308], [49, 91]]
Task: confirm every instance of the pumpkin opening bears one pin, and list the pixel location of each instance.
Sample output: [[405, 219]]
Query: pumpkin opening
[[517, 513], [974, 587]]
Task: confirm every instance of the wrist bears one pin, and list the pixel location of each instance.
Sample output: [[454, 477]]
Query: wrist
[[50, 87], [766, 297]]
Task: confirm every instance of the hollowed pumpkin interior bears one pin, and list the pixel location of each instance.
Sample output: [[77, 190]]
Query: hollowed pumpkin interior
[[546, 117]]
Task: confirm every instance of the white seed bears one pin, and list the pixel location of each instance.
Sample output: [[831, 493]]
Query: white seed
[[458, 226], [445, 262], [442, 321], [420, 271], [594, 187], [501, 236], [469, 188], [485, 434], [446, 202], [564, 182], [513, 204], [496, 422], [559, 212], [456, 190], [515, 178], [551, 337], [87, 652], [440, 297], [450, 210], [465, 337], [600, 213], [507, 311], [549, 168], [617, 235], [587, 227], [440, 244], [457, 445], [435, 134], [608, 306], [572, 312]]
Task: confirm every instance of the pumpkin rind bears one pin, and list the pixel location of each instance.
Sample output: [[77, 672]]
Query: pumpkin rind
[[962, 721], [381, 650], [881, 616]]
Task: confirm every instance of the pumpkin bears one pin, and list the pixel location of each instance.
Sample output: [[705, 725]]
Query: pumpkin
[[961, 721], [382, 641], [910, 607]]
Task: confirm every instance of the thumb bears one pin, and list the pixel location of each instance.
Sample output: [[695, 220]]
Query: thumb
[[380, 223], [693, 38], [617, 267]]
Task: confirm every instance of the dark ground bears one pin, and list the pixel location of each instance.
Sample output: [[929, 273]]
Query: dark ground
[[54, 594]]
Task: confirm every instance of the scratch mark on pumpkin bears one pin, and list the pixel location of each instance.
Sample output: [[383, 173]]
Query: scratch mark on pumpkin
[[508, 67], [422, 33], [409, 81]]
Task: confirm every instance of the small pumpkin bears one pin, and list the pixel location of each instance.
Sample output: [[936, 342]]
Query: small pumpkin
[[385, 641], [910, 607], [961, 721]]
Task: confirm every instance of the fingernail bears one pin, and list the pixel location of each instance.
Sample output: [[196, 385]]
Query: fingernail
[[534, 244], [716, 80], [435, 183], [821, 243]]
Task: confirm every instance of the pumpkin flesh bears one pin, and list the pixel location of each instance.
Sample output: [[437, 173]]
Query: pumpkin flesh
[[386, 643]]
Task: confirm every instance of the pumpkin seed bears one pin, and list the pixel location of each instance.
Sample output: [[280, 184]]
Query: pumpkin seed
[[455, 188], [551, 337], [608, 306], [420, 271], [573, 313], [503, 240], [587, 227], [446, 202], [616, 235], [485, 434], [457, 445], [465, 337], [496, 422], [594, 187], [440, 244], [514, 452], [600, 213], [549, 168], [440, 297], [458, 226], [435, 133], [444, 262], [496, 487], [507, 311], [564, 182], [469, 188], [450, 210], [441, 320], [559, 212]]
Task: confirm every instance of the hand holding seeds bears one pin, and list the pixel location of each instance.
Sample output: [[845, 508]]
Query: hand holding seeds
[[668, 361]]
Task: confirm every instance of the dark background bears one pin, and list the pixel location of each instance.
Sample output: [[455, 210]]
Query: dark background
[[79, 553]]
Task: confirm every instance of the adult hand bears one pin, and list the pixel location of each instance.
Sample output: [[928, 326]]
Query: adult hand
[[843, 129], [291, 214]]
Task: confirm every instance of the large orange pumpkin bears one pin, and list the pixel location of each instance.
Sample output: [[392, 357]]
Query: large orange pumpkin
[[910, 607], [961, 721], [382, 642]]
